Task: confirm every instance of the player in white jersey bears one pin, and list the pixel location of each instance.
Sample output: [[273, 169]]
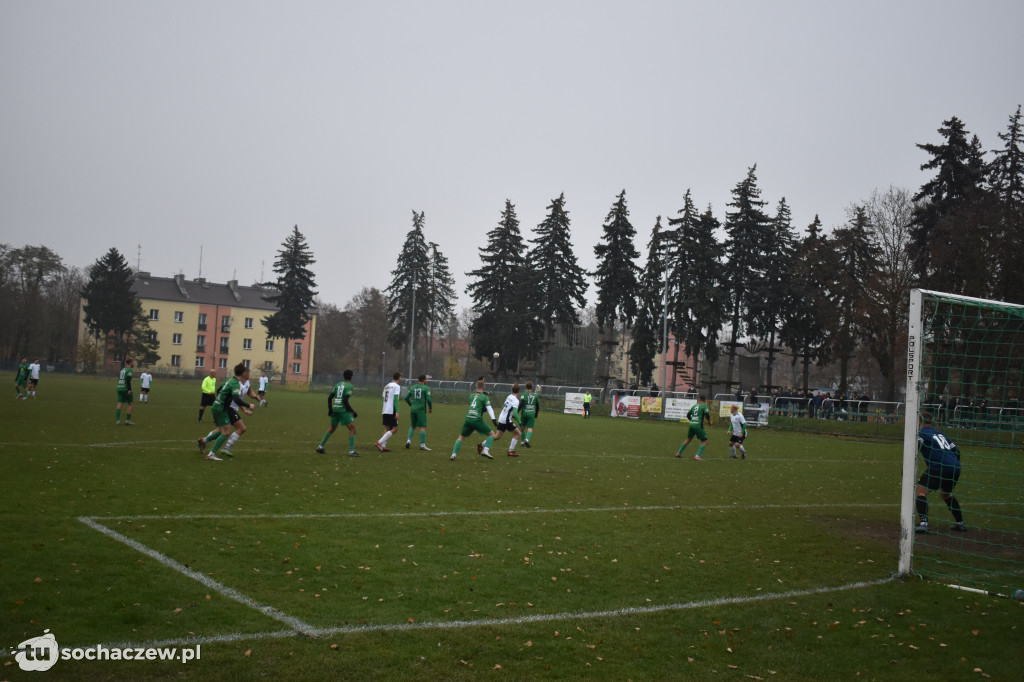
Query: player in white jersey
[[507, 420], [737, 432], [145, 379], [389, 411], [262, 392], [33, 377]]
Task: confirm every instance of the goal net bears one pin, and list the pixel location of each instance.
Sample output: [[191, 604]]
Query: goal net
[[965, 363]]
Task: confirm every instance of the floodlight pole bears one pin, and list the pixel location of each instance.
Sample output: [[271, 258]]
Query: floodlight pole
[[412, 323], [664, 330]]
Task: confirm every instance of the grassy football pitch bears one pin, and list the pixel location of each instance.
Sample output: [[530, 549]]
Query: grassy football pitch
[[594, 554]]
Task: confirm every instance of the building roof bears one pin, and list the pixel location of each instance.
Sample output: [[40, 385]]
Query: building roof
[[199, 291]]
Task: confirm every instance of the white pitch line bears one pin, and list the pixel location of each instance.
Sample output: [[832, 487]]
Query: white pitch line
[[488, 512], [490, 622], [294, 623]]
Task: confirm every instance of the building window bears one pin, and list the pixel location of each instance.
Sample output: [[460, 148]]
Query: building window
[[154, 314], [223, 363], [225, 323], [176, 339], [179, 316], [224, 345], [248, 323], [246, 344], [296, 368], [297, 351], [246, 363], [175, 361], [268, 366], [202, 322], [152, 335], [201, 343], [270, 345], [200, 361]]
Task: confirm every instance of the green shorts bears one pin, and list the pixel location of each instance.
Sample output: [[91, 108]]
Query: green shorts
[[478, 425], [418, 420], [697, 432], [221, 416], [124, 397], [527, 421], [342, 418]]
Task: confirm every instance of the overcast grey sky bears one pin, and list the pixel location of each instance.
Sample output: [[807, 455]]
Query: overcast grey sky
[[188, 124]]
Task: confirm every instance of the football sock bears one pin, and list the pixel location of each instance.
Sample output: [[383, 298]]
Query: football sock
[[117, 413], [423, 437], [212, 436], [488, 443], [351, 443], [954, 507], [700, 450], [732, 449], [408, 437], [385, 438], [217, 443], [922, 508], [458, 444], [743, 450], [232, 439], [681, 448], [512, 445], [201, 414], [323, 441]]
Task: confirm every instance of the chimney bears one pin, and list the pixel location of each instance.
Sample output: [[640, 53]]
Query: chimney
[[233, 286], [179, 280]]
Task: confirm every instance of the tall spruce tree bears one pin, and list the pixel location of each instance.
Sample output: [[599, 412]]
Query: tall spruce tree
[[697, 284], [1006, 179], [747, 228], [648, 330], [292, 292], [504, 323], [803, 320], [440, 297], [410, 288], [111, 307], [852, 263], [557, 284], [951, 235], [616, 276], [770, 295]]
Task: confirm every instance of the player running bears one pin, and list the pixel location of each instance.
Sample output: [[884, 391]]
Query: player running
[[224, 414], [529, 408], [737, 432], [506, 420], [478, 402], [698, 413], [341, 413], [389, 411], [418, 400]]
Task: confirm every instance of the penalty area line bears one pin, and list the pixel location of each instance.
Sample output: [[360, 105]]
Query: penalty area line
[[297, 625], [498, 622]]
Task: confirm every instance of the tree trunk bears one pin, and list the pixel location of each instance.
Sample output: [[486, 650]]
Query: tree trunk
[[284, 365]]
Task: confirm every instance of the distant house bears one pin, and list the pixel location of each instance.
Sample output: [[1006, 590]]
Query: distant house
[[202, 325]]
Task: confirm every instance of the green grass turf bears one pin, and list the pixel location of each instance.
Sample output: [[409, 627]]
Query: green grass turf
[[595, 554]]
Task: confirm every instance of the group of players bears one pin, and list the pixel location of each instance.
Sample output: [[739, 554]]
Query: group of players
[[26, 379], [517, 416]]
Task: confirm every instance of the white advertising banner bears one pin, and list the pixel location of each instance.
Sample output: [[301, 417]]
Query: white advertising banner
[[573, 403], [677, 408]]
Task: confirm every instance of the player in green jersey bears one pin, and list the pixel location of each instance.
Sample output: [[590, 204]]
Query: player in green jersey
[[224, 414], [478, 402], [418, 399], [697, 415], [21, 380], [529, 408], [341, 412], [124, 392]]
